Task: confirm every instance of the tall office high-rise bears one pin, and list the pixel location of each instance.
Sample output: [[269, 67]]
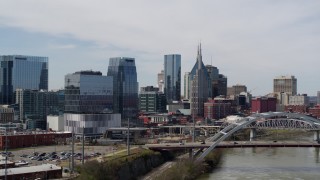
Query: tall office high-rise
[[88, 92], [285, 84], [21, 72], [88, 104], [284, 87], [200, 86], [125, 86], [172, 77]]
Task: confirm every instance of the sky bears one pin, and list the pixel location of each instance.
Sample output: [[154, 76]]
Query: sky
[[250, 41]]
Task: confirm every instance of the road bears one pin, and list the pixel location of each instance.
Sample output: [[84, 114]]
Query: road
[[161, 169]]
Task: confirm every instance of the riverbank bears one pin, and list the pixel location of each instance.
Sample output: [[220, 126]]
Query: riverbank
[[186, 169]]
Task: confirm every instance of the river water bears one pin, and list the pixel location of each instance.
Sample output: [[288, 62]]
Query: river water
[[268, 163]]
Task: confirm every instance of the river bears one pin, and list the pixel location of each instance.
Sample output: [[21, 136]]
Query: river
[[268, 163]]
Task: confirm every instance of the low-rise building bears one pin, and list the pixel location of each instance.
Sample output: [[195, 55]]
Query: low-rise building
[[296, 108], [315, 111], [43, 171], [299, 100], [31, 138]]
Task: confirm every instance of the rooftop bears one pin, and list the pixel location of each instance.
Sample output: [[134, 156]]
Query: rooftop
[[30, 169]]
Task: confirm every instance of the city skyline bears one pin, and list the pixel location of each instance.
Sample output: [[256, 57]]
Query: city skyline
[[249, 41]]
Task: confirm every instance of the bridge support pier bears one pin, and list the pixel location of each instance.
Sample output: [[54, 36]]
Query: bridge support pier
[[316, 136], [190, 154], [253, 133]]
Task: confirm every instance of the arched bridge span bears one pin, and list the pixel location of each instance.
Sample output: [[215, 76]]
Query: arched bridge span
[[281, 120]]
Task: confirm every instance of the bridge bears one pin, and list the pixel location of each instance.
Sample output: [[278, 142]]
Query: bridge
[[231, 144], [270, 120]]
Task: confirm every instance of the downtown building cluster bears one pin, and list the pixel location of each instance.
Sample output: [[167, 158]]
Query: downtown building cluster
[[91, 102]]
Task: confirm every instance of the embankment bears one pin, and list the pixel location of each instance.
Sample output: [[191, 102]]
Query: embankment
[[123, 167]]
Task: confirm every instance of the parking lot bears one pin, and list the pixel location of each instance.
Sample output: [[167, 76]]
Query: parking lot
[[60, 154]]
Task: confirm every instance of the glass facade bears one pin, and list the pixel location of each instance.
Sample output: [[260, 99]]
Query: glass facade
[[172, 77], [21, 72], [125, 85], [34, 106], [88, 92]]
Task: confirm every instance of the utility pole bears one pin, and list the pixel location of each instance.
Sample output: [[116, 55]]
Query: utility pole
[[128, 136], [82, 145], [194, 129], [6, 144], [72, 153]]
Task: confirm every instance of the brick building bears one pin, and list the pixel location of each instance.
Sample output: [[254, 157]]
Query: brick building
[[29, 139], [296, 108], [217, 109], [263, 104], [315, 111]]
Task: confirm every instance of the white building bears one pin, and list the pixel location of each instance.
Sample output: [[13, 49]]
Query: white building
[[94, 124], [55, 123], [299, 100]]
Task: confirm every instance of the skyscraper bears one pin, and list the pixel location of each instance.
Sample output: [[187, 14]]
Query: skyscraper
[[284, 87], [200, 86], [125, 86], [21, 72], [285, 84], [172, 77]]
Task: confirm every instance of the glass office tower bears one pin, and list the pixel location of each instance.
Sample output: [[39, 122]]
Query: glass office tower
[[21, 72], [88, 92], [172, 77], [89, 103], [125, 85]]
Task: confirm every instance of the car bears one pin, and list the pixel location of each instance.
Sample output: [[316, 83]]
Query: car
[[34, 158], [42, 154], [24, 156], [235, 143], [203, 142], [275, 141], [64, 158]]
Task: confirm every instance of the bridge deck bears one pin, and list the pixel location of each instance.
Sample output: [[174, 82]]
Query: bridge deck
[[231, 144]]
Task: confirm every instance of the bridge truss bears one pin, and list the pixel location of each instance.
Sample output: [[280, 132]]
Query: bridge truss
[[275, 120]]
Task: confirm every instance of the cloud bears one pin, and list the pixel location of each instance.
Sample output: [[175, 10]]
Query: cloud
[[62, 46], [249, 41]]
